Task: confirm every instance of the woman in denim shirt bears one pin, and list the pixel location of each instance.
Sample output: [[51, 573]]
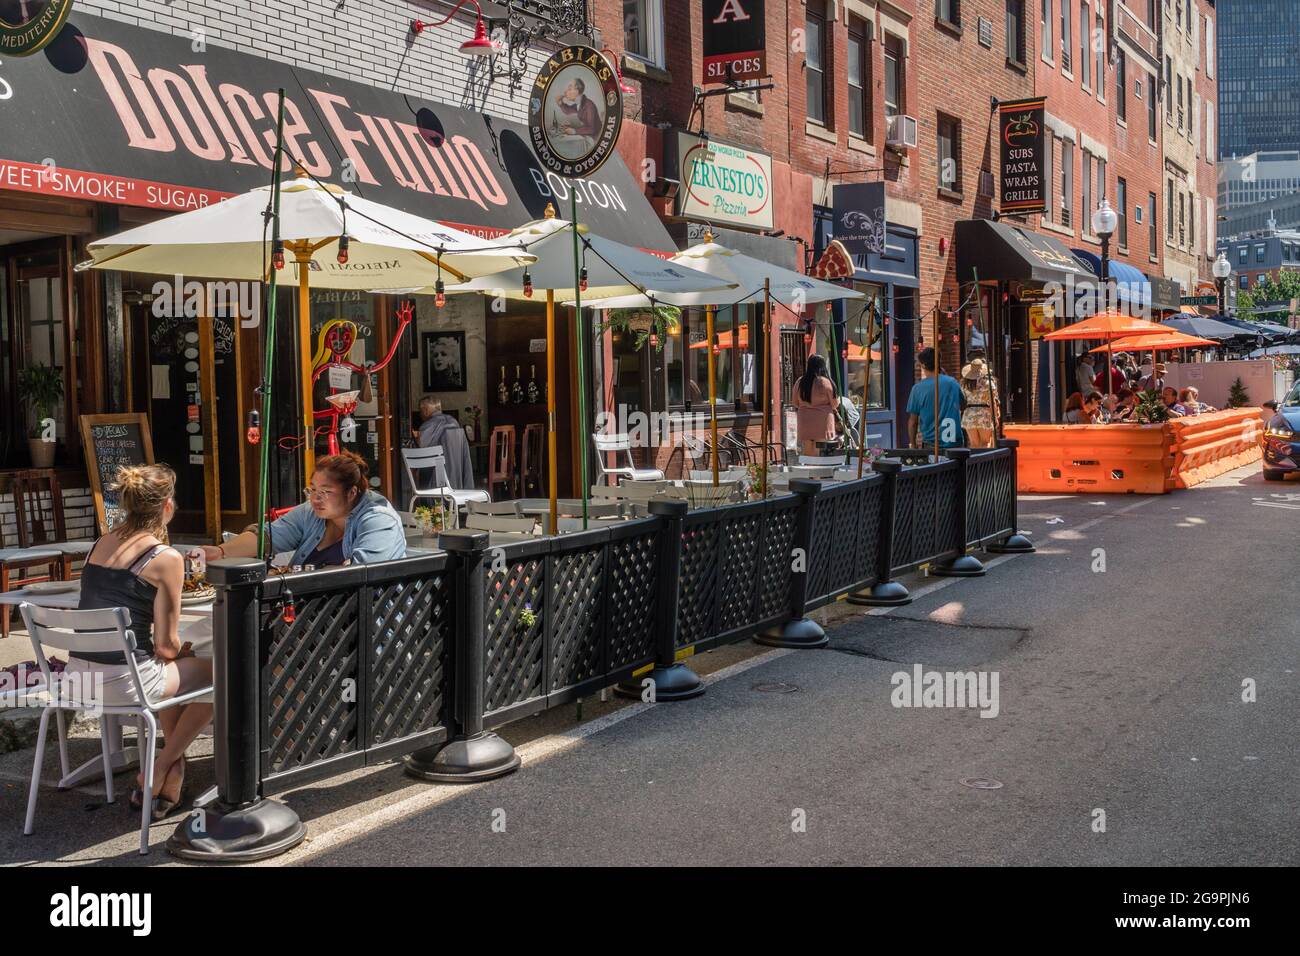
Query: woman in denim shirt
[[342, 521]]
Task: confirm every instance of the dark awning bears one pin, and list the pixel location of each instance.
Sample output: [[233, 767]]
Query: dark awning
[[136, 117], [1011, 253]]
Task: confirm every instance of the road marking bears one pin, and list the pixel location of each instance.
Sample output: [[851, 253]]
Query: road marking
[[1276, 504], [531, 753]]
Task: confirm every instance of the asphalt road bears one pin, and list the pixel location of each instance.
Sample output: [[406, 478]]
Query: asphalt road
[[1119, 692]]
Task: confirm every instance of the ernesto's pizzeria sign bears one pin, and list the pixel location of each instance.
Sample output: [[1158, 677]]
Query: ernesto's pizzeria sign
[[723, 183]]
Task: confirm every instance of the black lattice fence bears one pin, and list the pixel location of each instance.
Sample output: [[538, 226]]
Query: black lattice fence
[[990, 495], [736, 565], [925, 525], [845, 540], [356, 672], [567, 615]]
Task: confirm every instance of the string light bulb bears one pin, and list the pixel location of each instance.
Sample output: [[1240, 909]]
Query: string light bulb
[[343, 249], [439, 294], [277, 254], [528, 284], [582, 280]]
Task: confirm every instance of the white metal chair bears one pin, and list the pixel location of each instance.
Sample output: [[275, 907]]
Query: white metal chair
[[501, 523], [703, 494], [94, 632], [508, 509], [822, 461], [613, 444], [422, 459]]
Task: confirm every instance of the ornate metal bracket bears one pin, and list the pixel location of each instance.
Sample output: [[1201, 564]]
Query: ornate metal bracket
[[532, 21]]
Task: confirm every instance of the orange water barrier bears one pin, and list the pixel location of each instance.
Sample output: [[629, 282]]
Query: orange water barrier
[[1135, 459]]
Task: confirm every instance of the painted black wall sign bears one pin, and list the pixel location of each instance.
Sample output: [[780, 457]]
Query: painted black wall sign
[[26, 27], [735, 40], [109, 442], [138, 118], [575, 111], [859, 217], [1022, 130]]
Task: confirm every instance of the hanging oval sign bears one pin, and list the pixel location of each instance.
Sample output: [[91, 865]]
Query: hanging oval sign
[[575, 112], [30, 26]]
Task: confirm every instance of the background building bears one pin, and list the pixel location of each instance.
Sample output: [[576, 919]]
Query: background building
[[1256, 178], [1259, 72]]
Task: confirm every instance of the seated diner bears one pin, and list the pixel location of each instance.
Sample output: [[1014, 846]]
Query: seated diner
[[341, 522]]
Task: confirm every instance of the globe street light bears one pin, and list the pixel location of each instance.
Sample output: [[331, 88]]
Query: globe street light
[[1104, 223], [1222, 268]]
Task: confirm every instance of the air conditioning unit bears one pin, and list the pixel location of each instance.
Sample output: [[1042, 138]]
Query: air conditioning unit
[[901, 131]]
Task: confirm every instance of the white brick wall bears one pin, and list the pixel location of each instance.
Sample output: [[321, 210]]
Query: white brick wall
[[78, 516], [360, 40]]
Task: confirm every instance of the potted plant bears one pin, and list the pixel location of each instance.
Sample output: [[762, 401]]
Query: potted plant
[[1150, 408], [429, 519], [40, 387]]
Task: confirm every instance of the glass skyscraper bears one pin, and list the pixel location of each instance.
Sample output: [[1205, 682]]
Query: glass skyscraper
[[1259, 75]]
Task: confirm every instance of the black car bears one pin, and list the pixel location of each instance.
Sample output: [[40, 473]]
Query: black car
[[1282, 438]]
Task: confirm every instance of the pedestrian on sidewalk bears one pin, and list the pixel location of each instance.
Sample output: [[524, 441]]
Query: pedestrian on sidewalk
[[921, 410]]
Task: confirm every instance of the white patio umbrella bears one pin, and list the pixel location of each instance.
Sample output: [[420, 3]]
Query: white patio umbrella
[[611, 268], [337, 241], [749, 276]]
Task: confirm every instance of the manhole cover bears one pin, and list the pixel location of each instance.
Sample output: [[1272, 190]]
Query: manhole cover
[[981, 783], [775, 687]]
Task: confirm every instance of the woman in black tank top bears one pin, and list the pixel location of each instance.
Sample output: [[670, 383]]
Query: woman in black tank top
[[131, 568]]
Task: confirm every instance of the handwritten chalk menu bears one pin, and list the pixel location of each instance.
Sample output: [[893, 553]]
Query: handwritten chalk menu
[[109, 442]]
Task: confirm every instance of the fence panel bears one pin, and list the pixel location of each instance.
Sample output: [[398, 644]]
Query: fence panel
[[925, 528], [846, 536], [517, 604], [632, 586], [359, 673], [735, 576], [990, 495]]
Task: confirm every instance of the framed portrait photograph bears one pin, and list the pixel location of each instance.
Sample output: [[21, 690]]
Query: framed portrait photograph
[[444, 361]]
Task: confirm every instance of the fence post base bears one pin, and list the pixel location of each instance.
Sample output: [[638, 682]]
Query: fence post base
[[220, 833], [882, 594], [1012, 544], [962, 566], [674, 682], [802, 632], [484, 756]]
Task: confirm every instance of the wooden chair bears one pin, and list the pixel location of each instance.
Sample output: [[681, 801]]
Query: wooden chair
[[501, 461], [38, 506], [24, 560], [532, 456]]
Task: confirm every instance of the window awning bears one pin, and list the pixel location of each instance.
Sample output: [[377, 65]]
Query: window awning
[[134, 117], [1131, 286], [1012, 253]]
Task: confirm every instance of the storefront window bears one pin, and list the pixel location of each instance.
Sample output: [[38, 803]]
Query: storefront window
[[684, 360], [865, 329], [327, 308]]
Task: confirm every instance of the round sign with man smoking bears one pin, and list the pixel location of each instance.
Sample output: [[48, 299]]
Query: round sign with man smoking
[[575, 111]]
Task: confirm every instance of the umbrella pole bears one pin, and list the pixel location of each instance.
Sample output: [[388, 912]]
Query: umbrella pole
[[551, 478], [263, 493], [767, 384], [866, 389], [302, 256], [710, 313], [582, 364], [936, 384]]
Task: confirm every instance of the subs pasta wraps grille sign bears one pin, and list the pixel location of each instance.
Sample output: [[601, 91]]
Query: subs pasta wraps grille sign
[[1021, 127], [575, 111], [723, 183]]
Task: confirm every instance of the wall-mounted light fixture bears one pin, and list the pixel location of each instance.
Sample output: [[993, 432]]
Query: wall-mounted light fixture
[[479, 45], [529, 21]]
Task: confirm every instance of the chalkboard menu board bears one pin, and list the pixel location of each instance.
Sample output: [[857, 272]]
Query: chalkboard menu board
[[109, 442]]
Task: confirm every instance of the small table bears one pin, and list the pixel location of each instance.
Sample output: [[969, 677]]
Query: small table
[[195, 626]]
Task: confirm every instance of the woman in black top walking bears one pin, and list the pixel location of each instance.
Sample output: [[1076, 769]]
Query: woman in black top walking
[[131, 567]]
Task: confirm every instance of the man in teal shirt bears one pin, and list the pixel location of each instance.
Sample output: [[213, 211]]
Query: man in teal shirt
[[920, 408]]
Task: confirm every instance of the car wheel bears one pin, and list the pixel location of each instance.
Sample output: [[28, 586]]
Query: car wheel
[[1274, 474]]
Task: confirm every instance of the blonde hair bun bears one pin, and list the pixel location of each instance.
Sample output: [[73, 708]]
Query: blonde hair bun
[[143, 491]]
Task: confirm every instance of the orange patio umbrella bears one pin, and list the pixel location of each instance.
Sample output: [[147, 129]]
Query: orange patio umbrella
[[1107, 326], [1157, 343], [858, 353], [725, 340]]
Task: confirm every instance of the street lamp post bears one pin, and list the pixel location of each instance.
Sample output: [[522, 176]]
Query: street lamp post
[[1104, 223], [1222, 268]]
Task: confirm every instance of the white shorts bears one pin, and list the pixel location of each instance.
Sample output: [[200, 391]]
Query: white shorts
[[118, 690]]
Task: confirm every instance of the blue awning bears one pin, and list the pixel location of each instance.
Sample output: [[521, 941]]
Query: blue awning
[[1131, 286]]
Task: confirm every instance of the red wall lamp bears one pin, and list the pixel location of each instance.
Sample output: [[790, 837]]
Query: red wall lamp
[[477, 46]]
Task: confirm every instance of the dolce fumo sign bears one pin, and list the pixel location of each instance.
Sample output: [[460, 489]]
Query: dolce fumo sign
[[28, 26], [723, 183]]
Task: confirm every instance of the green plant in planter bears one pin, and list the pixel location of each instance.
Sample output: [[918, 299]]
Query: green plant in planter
[[41, 388], [1238, 397], [430, 519], [1150, 408], [660, 322]]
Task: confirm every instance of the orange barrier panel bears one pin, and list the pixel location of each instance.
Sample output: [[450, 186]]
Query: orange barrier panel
[[1100, 459], [1212, 444]]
